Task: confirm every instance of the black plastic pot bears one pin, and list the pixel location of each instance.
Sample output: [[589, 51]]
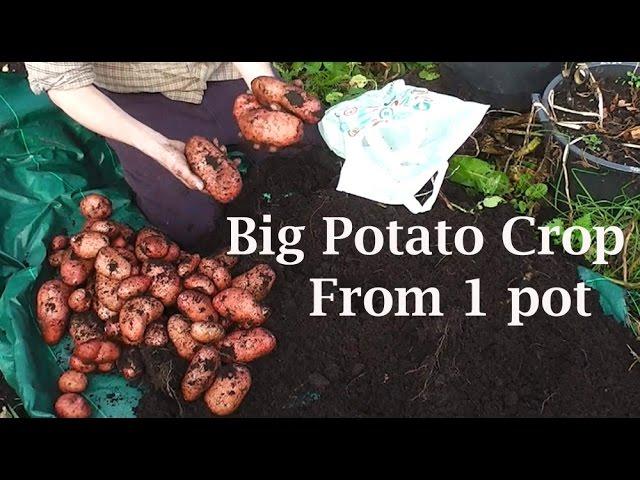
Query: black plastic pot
[[602, 179], [507, 85]]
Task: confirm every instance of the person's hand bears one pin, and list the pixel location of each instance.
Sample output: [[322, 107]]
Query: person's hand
[[170, 154]]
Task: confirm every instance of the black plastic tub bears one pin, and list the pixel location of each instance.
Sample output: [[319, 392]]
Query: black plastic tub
[[603, 180], [505, 85]]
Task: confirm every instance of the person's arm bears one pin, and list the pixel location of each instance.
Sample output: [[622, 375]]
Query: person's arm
[[251, 70], [95, 111]]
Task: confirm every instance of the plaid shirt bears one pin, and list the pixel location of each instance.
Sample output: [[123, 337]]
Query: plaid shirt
[[182, 81]]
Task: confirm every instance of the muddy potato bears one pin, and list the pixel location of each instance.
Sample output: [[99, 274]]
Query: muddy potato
[[271, 91], [228, 390], [201, 283], [59, 242], [153, 268], [209, 161], [97, 351], [244, 346], [257, 281], [112, 329], [141, 237], [95, 207], [156, 335], [128, 255], [106, 367], [74, 272], [188, 263], [72, 405], [106, 227], [240, 306], [135, 315], [200, 374], [130, 364], [118, 242], [196, 306], [166, 287], [225, 259], [218, 273], [72, 381], [80, 366], [133, 286], [179, 331], [53, 310], [173, 254], [107, 292], [105, 314], [56, 258], [207, 332], [109, 263], [154, 246], [87, 244], [85, 327], [80, 300], [126, 232]]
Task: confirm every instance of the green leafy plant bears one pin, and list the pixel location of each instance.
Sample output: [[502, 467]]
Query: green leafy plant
[[592, 142], [633, 80]]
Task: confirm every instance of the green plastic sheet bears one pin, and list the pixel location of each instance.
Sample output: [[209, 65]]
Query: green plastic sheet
[[47, 164], [613, 298]]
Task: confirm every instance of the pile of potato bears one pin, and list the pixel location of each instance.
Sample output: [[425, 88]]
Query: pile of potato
[[115, 290]]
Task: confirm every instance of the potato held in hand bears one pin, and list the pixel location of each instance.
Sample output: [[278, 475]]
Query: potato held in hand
[[240, 306], [209, 162], [53, 310], [266, 127], [228, 390], [272, 92], [201, 373]]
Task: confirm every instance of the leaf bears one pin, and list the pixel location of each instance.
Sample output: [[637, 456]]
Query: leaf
[[333, 97], [358, 81], [429, 73], [536, 191], [478, 174], [492, 202]]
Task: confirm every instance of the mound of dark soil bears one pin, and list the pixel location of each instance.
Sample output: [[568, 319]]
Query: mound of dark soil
[[402, 366]]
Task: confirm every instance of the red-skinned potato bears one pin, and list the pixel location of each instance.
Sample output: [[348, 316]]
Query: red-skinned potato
[[274, 93], [105, 314], [244, 346], [240, 306], [57, 257], [179, 331], [133, 286], [173, 254], [208, 160], [119, 242], [85, 327], [106, 227], [135, 315], [266, 127], [201, 283], [80, 366], [154, 246], [196, 306], [156, 335], [153, 268], [126, 232], [200, 374], [228, 390], [97, 351], [53, 310], [75, 271], [207, 332], [188, 263], [130, 364], [106, 367], [107, 292], [212, 268], [225, 259], [141, 236], [109, 263], [257, 281], [166, 287], [59, 242], [72, 405], [72, 381], [112, 328], [87, 244], [80, 300], [95, 207]]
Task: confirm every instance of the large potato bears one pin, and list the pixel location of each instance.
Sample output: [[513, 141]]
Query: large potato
[[72, 405], [95, 207], [196, 306], [72, 381], [97, 351], [209, 161], [240, 306], [87, 244], [201, 373], [53, 310], [272, 92], [107, 292], [201, 283], [133, 286], [188, 263], [85, 327], [228, 390], [257, 281], [166, 287], [135, 315], [245, 346], [109, 263], [207, 332], [179, 331]]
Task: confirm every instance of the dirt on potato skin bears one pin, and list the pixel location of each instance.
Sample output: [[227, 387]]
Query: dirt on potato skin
[[449, 366]]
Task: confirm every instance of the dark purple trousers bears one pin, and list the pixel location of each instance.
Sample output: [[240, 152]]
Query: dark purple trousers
[[189, 217]]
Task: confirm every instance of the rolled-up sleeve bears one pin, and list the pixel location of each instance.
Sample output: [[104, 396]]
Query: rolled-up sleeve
[[45, 76]]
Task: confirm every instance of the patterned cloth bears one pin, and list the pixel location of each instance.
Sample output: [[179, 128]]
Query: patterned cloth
[[182, 81]]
